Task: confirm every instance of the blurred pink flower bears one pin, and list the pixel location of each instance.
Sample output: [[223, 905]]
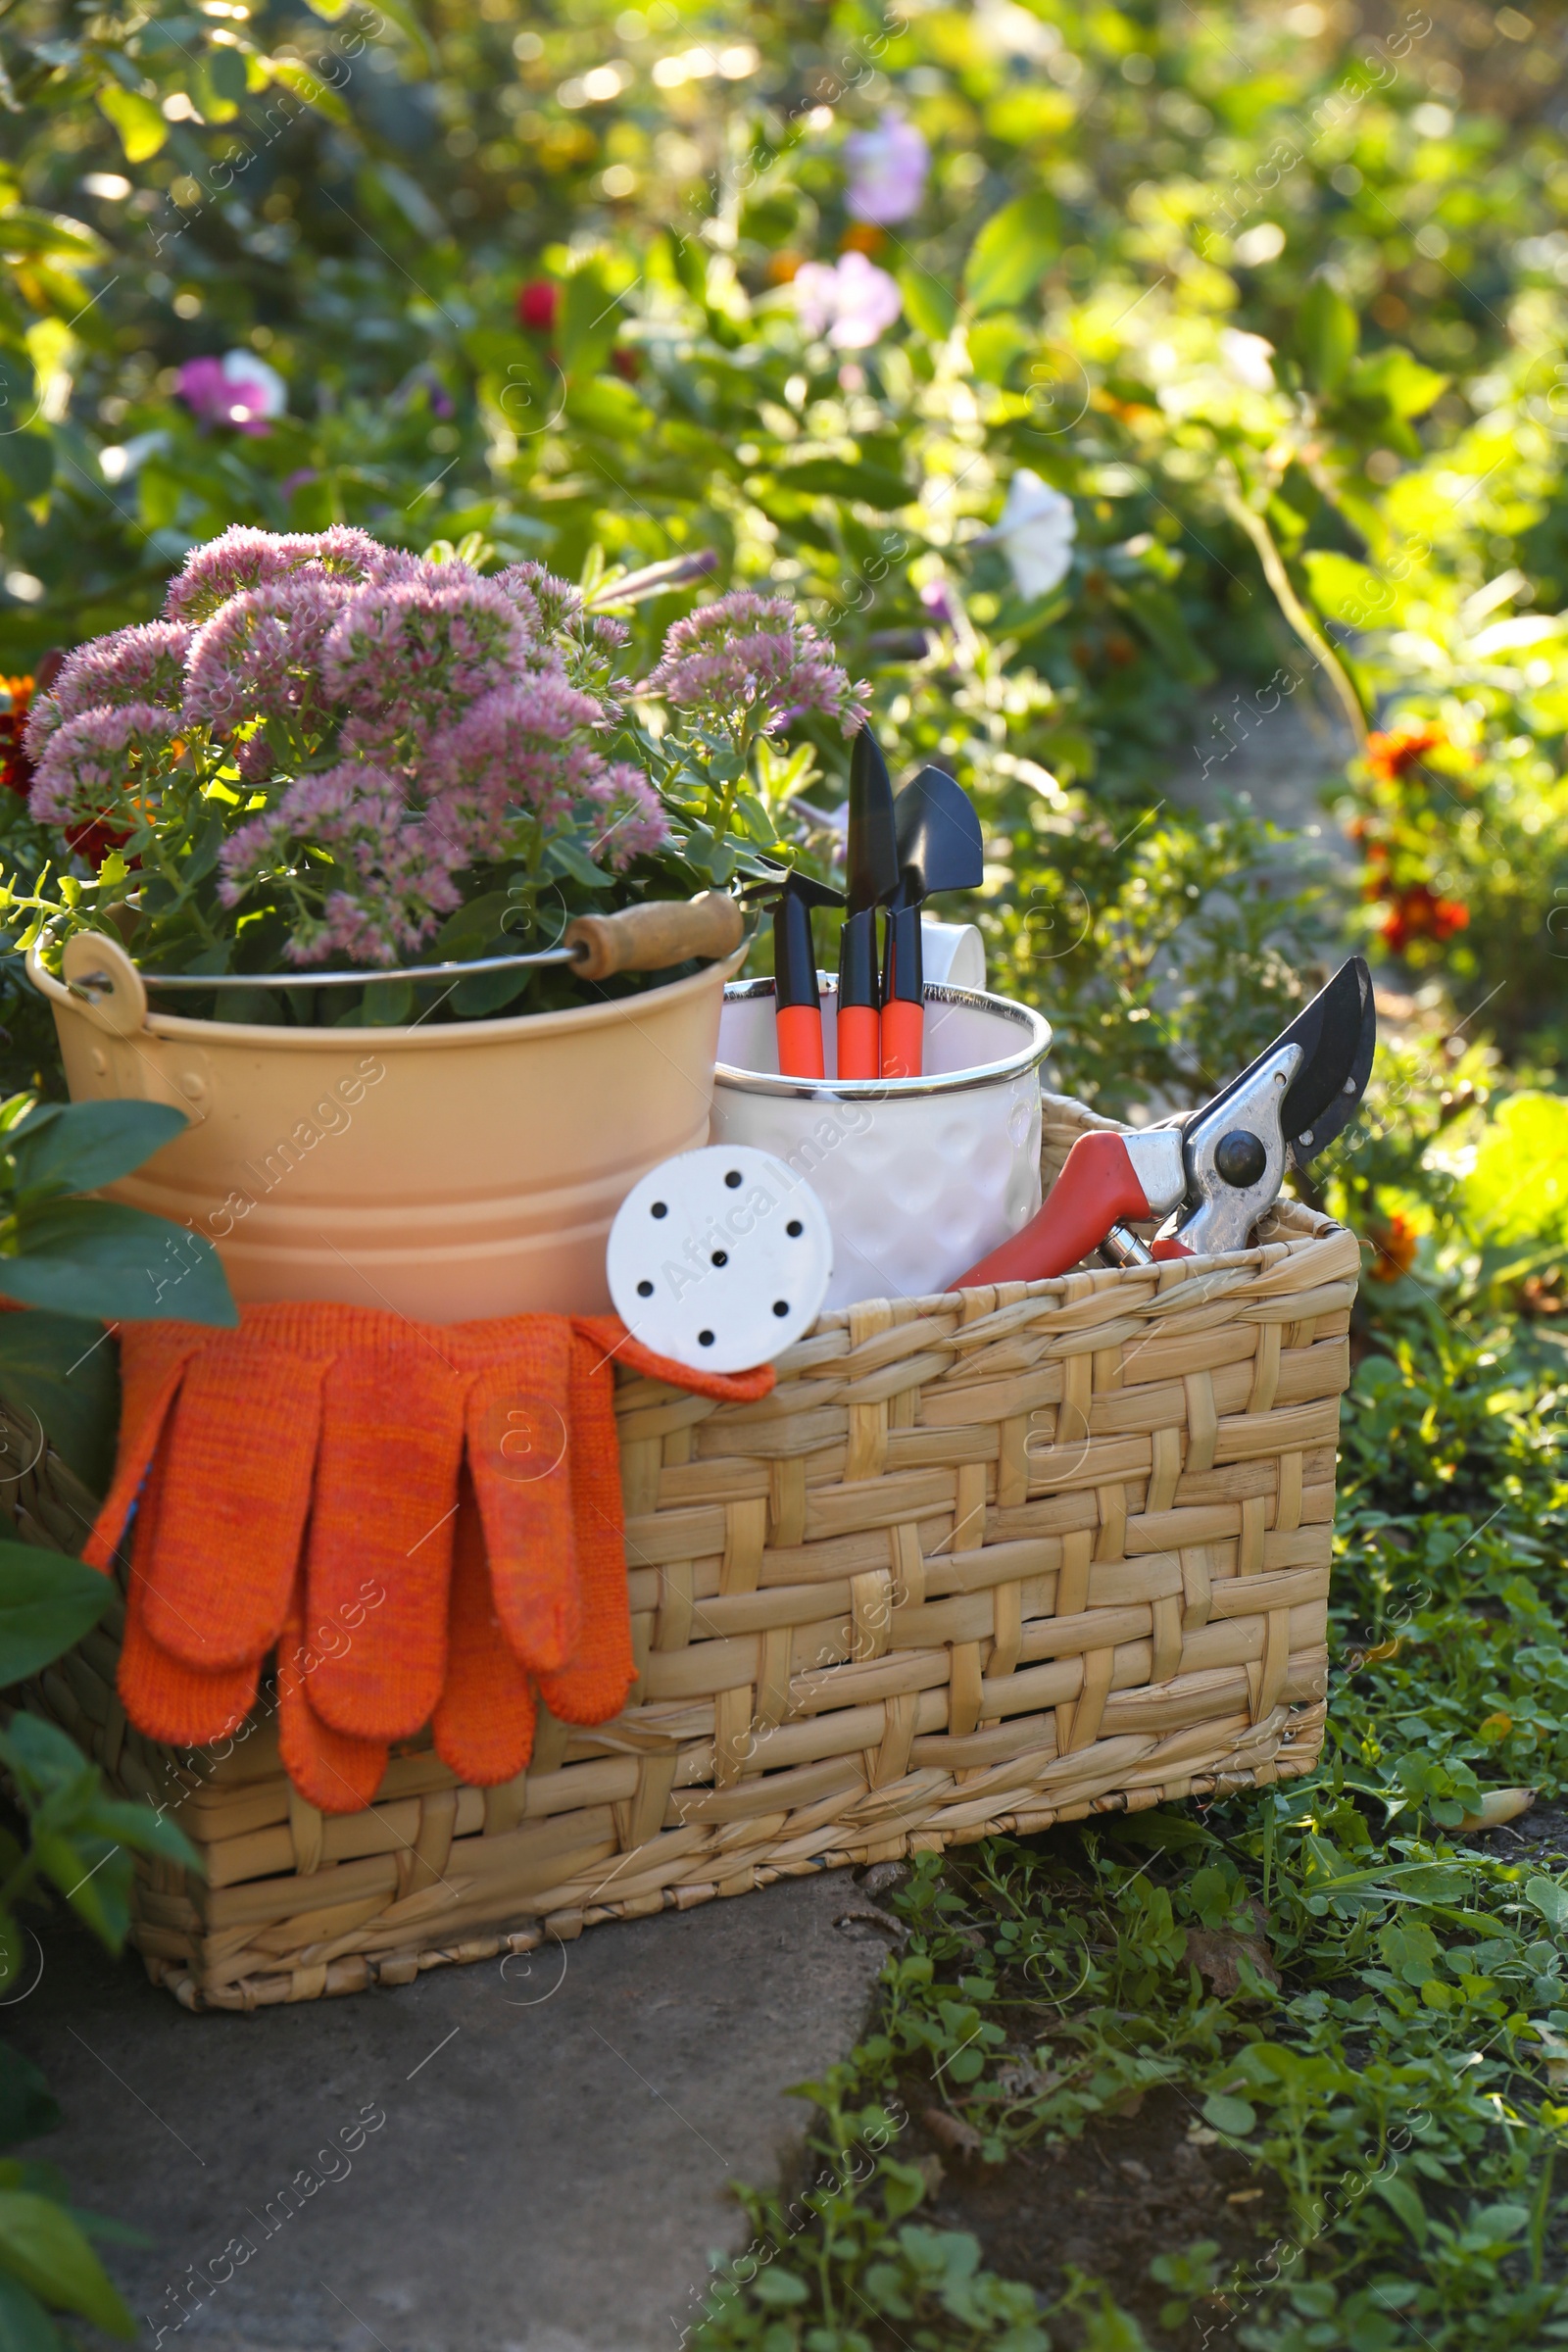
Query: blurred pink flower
[[260, 657], [887, 171], [243, 558], [406, 655], [850, 301], [396, 877], [144, 665], [512, 752], [746, 649], [240, 389], [634, 820], [90, 764]]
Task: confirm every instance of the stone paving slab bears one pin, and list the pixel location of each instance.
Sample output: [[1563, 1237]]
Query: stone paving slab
[[556, 2143]]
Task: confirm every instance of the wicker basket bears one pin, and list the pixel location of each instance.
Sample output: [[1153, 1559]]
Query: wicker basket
[[986, 1561]]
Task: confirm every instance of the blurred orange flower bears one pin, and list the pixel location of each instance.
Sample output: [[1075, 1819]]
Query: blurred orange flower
[[1393, 1246], [16, 769], [1419, 914], [1392, 754]]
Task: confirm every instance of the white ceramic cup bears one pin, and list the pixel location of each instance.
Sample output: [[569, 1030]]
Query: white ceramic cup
[[920, 1176], [952, 955]]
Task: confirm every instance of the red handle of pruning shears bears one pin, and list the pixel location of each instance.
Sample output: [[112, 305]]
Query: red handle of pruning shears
[[1096, 1189]]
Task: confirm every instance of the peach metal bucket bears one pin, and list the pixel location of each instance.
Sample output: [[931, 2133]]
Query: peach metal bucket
[[920, 1176], [448, 1173]]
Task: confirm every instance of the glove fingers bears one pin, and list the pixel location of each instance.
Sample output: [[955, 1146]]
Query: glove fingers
[[520, 1457], [593, 1685], [239, 1455], [153, 1357], [164, 1696], [386, 1490], [484, 1721], [331, 1770]]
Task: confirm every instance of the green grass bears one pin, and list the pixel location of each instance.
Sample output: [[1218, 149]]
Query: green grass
[[1377, 2037]]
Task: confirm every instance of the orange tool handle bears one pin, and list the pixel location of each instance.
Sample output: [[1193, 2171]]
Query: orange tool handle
[[1169, 1246], [859, 1041], [1096, 1188], [800, 1041], [902, 1041]]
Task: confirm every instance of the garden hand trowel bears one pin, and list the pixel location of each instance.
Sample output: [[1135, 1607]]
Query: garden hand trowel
[[1218, 1170], [940, 848], [872, 861]]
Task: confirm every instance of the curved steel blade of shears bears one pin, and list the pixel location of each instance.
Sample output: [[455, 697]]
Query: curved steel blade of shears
[[1337, 1033]]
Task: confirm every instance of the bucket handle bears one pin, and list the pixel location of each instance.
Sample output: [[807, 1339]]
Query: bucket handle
[[647, 938], [101, 979]]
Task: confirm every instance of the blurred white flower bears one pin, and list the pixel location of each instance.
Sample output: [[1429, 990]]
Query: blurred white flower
[[1247, 357], [1036, 533], [887, 171], [853, 302]]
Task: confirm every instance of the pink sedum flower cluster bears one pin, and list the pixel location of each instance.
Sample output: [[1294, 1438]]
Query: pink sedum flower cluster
[[373, 728], [746, 649], [392, 723]]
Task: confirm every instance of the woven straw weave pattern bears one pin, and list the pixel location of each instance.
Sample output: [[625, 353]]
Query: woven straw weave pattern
[[992, 1560]]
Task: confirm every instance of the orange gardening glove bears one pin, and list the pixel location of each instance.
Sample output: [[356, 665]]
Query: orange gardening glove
[[593, 1683], [331, 1770], [386, 1492], [484, 1719], [152, 1361], [162, 1696], [238, 1455], [518, 1444]]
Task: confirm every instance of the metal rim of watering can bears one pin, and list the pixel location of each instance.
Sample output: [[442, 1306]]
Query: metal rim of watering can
[[879, 1090]]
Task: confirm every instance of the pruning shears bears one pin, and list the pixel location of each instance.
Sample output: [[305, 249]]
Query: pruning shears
[[1215, 1172]]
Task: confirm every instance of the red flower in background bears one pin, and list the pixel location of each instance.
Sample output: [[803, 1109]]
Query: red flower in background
[[539, 304], [1419, 914], [16, 769], [1391, 755], [94, 843]]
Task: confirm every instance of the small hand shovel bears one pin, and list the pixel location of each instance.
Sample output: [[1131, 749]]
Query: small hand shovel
[[940, 848]]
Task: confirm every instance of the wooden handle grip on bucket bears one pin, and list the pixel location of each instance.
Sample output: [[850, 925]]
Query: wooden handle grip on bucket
[[660, 932]]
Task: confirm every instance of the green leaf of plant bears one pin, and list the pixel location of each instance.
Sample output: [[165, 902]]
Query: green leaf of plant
[[1400, 2194], [62, 1370], [779, 2290], [28, 460], [25, 2325], [1549, 1898], [42, 2245], [311, 87], [141, 128], [98, 1258], [27, 2105], [1398, 380], [837, 477], [1011, 253], [1517, 1186], [76, 1147], [1327, 331], [47, 1602], [928, 305], [1234, 2117]]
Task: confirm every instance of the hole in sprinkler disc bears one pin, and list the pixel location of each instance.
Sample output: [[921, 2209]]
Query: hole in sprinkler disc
[[704, 1339], [781, 1306], [794, 1229], [733, 1179], [645, 1290], [722, 1257], [661, 1208]]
